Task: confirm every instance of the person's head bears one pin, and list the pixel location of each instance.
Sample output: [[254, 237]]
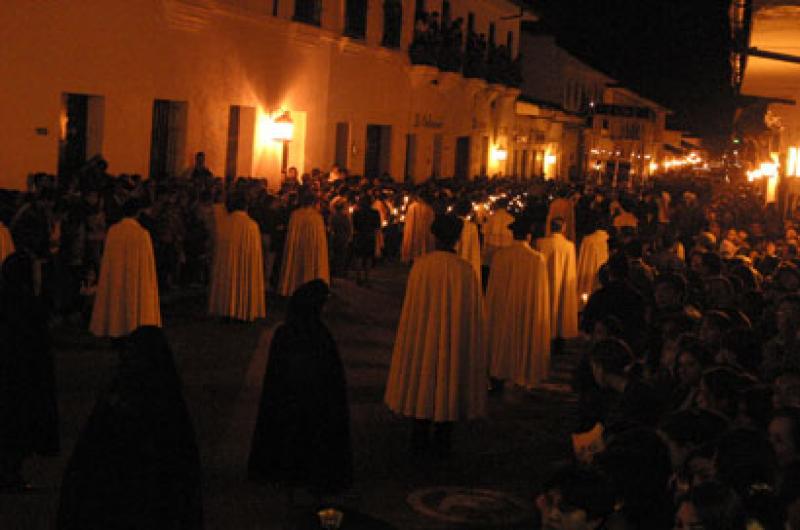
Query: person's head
[[607, 327], [200, 160], [710, 506], [447, 230], [685, 430], [711, 264], [307, 302], [575, 498], [609, 359], [638, 464], [787, 315], [131, 208], [557, 225], [618, 267], [670, 289], [743, 459], [784, 435], [147, 369], [692, 359], [712, 327], [720, 389], [740, 347], [291, 174], [463, 208], [307, 199], [786, 390], [521, 228], [17, 273]]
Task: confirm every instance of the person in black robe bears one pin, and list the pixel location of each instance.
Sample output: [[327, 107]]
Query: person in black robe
[[28, 410], [366, 223], [302, 433], [136, 465]]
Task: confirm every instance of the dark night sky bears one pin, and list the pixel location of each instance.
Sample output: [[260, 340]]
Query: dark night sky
[[672, 51]]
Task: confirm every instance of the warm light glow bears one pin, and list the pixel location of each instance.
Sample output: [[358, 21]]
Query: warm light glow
[[499, 154], [793, 162], [281, 128], [550, 159], [653, 167]]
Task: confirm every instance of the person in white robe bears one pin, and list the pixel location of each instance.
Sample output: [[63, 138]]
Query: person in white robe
[[417, 237], [518, 331], [564, 208], [438, 372], [593, 255], [237, 284], [127, 288], [469, 244], [559, 252], [496, 234], [6, 243], [305, 253]]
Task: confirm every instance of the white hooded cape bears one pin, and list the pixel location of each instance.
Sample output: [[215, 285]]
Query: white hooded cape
[[518, 316], [6, 243], [305, 255], [438, 369], [559, 253], [417, 237], [127, 288], [468, 247], [563, 208], [593, 255], [497, 235], [237, 283]]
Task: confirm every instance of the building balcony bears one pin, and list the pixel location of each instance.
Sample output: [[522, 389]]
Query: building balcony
[[475, 62]]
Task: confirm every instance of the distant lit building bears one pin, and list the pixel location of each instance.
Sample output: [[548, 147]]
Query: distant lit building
[[771, 80], [148, 83], [607, 130]]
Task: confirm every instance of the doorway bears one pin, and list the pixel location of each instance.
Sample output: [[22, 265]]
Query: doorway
[[241, 137], [81, 137], [411, 157], [342, 143], [377, 157], [463, 147], [168, 138], [436, 161], [484, 156]]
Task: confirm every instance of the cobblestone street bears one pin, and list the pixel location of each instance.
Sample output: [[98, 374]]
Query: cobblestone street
[[503, 457]]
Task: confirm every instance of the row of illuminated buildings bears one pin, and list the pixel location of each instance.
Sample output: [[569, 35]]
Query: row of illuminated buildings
[[412, 89]]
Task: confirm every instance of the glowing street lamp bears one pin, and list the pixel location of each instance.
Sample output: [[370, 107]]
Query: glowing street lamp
[[281, 129]]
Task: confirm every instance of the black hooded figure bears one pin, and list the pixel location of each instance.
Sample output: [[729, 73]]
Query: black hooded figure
[[28, 411], [302, 434], [136, 465]]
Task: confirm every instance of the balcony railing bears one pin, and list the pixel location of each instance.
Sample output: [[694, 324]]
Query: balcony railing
[[444, 48]]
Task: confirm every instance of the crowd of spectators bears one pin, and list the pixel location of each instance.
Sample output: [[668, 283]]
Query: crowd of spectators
[[690, 383]]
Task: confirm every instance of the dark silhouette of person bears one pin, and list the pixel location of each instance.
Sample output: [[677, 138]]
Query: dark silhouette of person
[[28, 410], [302, 434], [136, 464]]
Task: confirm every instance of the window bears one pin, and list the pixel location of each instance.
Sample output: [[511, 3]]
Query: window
[[419, 9], [510, 42], [168, 139], [355, 19], [470, 22], [241, 135], [492, 34], [392, 23], [308, 11], [445, 13], [275, 8]]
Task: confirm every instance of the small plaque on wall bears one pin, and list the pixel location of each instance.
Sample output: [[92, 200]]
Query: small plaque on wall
[[41, 131]]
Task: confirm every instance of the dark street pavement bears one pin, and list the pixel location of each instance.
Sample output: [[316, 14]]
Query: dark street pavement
[[489, 482]]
